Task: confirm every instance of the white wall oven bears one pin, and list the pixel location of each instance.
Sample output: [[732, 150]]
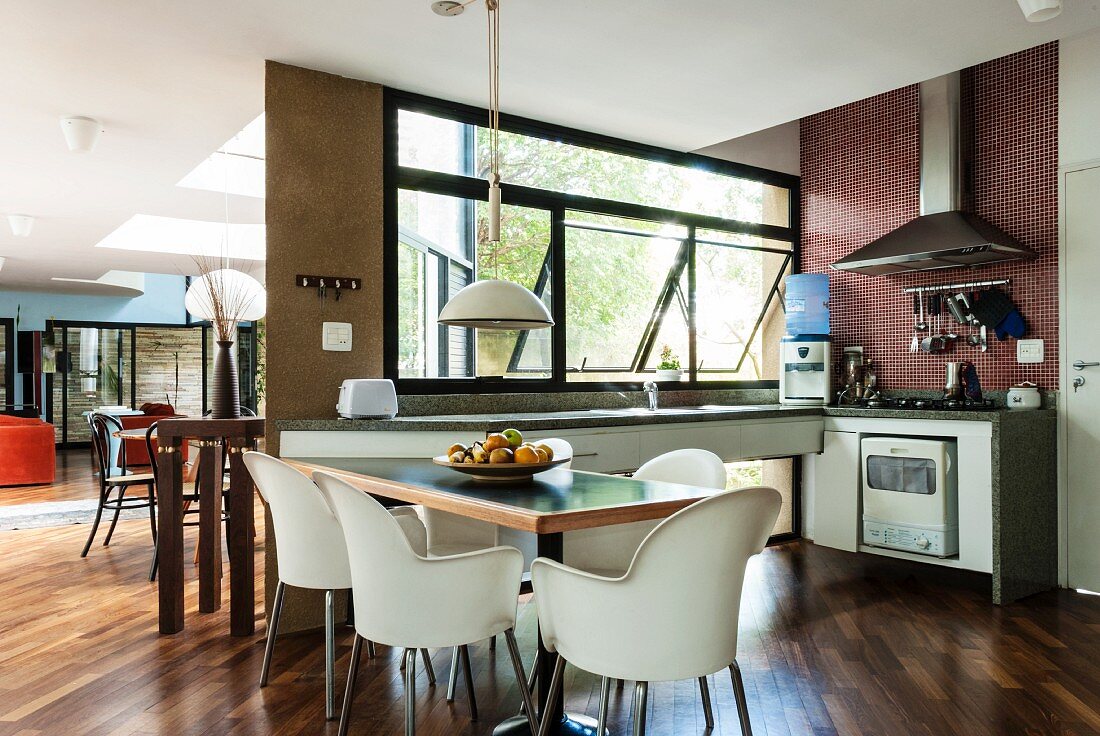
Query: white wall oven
[[910, 494]]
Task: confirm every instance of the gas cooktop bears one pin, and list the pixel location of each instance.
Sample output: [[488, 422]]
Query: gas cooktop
[[924, 403]]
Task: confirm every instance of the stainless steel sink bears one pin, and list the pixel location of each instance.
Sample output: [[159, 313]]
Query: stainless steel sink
[[642, 411]]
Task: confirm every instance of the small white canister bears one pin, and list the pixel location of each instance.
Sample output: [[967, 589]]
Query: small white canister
[[1024, 396]]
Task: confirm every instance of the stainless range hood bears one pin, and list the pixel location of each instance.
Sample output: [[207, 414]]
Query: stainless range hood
[[942, 236]]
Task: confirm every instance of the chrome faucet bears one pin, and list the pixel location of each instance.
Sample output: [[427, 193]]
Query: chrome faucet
[[650, 388]]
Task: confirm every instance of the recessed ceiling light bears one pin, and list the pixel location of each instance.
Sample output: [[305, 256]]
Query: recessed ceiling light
[[81, 132], [1036, 11], [154, 234], [21, 225]]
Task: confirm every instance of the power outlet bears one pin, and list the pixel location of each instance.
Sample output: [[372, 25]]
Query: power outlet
[[336, 336], [1029, 351]]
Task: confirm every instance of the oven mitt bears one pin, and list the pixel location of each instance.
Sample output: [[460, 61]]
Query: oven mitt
[[1012, 325], [992, 307]]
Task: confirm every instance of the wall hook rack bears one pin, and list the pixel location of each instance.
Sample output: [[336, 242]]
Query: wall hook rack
[[322, 284]]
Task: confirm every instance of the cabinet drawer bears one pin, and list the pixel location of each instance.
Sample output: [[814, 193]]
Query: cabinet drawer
[[781, 439], [612, 452], [724, 440]]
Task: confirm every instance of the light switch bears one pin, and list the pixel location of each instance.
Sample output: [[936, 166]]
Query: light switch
[[336, 336], [1029, 351]]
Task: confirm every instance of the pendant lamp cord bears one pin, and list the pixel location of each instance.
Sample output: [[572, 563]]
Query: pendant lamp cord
[[493, 7]]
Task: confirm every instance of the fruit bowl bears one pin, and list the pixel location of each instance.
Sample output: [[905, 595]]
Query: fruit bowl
[[499, 471]]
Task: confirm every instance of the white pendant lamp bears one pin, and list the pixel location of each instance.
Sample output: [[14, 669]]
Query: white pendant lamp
[[81, 132], [226, 294], [496, 305], [1037, 11], [21, 225]]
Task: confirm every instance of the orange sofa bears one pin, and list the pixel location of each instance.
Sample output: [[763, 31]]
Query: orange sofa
[[27, 452]]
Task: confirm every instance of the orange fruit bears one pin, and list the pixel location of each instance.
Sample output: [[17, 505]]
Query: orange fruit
[[526, 455], [496, 441], [548, 450], [500, 455], [543, 457]]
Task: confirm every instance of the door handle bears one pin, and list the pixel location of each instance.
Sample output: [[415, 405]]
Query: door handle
[[1081, 364]]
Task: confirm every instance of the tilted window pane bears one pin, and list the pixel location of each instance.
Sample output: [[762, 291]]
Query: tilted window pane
[[739, 318]]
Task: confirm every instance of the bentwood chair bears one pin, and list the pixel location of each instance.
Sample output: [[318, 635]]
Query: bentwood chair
[[115, 481], [673, 615], [311, 551], [407, 599]]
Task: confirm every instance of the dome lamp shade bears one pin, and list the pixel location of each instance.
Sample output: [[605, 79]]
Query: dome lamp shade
[[496, 305]]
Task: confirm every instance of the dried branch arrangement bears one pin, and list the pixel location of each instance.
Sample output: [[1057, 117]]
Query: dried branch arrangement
[[228, 294]]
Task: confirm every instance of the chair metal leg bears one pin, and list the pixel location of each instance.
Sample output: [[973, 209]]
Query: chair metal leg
[[532, 678], [349, 692], [492, 644], [641, 691], [704, 694], [154, 563], [619, 684], [521, 680], [452, 679], [468, 674], [428, 666], [330, 655], [739, 696], [605, 696], [272, 631], [410, 692], [555, 686], [371, 652], [95, 526]]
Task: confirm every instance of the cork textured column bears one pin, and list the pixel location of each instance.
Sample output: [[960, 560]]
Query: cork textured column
[[324, 216]]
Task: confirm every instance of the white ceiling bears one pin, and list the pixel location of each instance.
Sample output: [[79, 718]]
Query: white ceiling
[[172, 81]]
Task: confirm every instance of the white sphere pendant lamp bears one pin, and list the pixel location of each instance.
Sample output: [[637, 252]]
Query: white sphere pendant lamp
[[496, 305], [244, 299]]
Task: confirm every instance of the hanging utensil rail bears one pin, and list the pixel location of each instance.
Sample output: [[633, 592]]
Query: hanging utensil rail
[[953, 287]]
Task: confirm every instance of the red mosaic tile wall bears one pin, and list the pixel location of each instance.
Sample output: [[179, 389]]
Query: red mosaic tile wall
[[861, 179]]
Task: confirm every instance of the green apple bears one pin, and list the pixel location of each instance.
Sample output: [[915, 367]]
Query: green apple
[[515, 439]]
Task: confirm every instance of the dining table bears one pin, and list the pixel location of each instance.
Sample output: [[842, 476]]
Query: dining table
[[548, 505]]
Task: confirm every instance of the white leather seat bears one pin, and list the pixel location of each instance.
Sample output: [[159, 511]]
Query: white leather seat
[[311, 550], [409, 599], [673, 614]]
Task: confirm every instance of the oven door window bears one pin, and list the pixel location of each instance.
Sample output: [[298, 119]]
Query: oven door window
[[902, 474]]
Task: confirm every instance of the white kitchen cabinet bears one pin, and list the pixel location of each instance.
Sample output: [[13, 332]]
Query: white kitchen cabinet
[[835, 477], [599, 452], [721, 438], [781, 438]]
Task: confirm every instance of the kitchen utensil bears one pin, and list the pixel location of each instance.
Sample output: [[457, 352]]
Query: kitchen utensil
[[921, 325], [953, 388], [983, 343], [1024, 396], [499, 471], [934, 302], [956, 310], [914, 345]]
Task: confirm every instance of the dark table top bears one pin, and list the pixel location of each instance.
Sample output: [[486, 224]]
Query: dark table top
[[554, 501]]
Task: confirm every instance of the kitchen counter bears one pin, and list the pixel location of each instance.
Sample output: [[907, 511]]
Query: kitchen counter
[[625, 417]]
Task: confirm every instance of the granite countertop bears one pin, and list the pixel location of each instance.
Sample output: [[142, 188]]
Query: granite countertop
[[632, 416]]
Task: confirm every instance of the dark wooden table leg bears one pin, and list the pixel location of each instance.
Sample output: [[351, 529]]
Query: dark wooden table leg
[[242, 557], [551, 547], [170, 536], [210, 533]]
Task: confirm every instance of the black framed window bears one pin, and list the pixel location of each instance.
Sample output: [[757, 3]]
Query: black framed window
[[634, 249], [7, 363]]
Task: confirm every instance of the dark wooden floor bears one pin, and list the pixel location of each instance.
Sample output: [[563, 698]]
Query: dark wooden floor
[[831, 643]]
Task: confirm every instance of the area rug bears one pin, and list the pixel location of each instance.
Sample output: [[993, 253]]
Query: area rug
[[58, 513]]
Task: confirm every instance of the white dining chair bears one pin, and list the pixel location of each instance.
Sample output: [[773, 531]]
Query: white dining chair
[[673, 615], [408, 599], [311, 551]]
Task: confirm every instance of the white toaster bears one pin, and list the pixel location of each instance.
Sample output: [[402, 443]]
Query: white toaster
[[367, 398]]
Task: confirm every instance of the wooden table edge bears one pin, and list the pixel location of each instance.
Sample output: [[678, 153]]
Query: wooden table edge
[[536, 522]]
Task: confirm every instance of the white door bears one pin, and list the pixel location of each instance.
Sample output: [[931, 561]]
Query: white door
[[1082, 343]]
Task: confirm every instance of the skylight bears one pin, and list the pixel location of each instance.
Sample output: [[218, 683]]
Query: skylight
[[237, 167], [155, 234]]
